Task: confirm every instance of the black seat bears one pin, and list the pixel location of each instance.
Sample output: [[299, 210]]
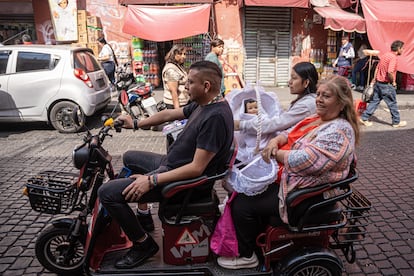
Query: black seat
[[317, 208], [193, 197]]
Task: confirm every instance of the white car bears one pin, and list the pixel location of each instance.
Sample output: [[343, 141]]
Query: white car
[[45, 83]]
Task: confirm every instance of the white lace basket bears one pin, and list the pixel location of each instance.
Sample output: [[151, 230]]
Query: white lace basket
[[254, 178]]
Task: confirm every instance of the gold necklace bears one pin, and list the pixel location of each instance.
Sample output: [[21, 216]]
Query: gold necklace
[[216, 99]]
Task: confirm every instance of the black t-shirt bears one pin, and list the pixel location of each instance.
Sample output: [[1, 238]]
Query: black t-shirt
[[209, 127]]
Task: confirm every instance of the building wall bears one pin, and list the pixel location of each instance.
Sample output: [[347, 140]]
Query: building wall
[[307, 29], [307, 33]]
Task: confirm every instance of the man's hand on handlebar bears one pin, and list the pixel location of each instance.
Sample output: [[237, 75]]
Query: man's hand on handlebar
[[127, 121]]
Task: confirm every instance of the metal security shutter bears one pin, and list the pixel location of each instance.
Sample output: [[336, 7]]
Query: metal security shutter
[[267, 36]]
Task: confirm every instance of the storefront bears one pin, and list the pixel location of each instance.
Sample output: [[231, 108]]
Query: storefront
[[267, 42], [159, 28], [16, 19], [338, 22], [390, 21]]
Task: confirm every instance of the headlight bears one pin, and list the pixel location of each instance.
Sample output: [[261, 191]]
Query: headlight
[[80, 156]]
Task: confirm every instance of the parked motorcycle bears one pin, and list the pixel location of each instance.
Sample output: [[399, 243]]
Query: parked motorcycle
[[324, 217], [138, 101]]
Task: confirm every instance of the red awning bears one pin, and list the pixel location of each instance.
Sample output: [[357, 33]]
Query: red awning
[[162, 23], [156, 2], [339, 20], [388, 21], [278, 3]]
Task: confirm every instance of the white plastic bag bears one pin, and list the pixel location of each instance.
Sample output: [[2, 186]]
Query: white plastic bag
[[254, 178]]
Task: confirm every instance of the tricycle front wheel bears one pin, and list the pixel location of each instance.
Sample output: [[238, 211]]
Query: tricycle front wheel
[[55, 252]]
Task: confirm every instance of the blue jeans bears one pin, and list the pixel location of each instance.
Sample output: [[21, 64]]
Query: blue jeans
[[385, 92], [359, 68]]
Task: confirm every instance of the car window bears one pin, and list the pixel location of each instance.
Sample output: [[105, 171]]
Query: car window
[[86, 61], [30, 61], [4, 57]]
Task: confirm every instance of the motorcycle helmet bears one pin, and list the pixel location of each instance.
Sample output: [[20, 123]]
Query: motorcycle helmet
[[80, 156]]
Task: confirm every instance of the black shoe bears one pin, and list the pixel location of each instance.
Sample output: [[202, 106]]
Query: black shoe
[[138, 253], [146, 221]]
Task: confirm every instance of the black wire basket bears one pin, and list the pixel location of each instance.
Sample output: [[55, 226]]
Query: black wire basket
[[52, 192], [356, 210]]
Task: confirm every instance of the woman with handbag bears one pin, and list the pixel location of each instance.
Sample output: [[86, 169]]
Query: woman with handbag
[[323, 154], [174, 77]]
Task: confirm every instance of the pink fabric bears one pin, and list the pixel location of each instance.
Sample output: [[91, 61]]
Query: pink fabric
[[153, 2], [224, 239], [278, 3], [388, 21], [339, 20], [162, 23]]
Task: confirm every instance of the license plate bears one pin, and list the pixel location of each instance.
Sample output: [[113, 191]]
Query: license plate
[[100, 82], [148, 102]]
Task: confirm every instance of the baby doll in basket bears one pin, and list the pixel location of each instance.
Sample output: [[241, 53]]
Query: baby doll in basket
[[245, 106]]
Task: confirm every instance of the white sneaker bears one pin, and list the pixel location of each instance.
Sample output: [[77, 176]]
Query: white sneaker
[[401, 124], [365, 123], [238, 262], [221, 206]]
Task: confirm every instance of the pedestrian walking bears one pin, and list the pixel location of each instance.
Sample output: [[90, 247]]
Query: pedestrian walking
[[360, 69], [174, 78], [385, 86], [217, 48], [108, 59]]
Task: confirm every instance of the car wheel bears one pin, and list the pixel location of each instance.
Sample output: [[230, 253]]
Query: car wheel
[[61, 117]]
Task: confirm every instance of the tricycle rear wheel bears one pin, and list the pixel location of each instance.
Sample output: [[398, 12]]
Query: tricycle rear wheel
[[315, 268]]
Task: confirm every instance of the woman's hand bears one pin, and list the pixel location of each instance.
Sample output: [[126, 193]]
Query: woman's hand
[[136, 189], [236, 125], [270, 150]]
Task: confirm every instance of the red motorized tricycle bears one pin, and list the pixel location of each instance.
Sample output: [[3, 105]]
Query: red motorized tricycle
[[88, 241]]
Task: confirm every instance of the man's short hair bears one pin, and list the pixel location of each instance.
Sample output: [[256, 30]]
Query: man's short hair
[[26, 38], [216, 42], [396, 45], [206, 65]]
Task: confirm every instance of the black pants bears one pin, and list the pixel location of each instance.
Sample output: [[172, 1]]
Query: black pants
[[110, 193], [251, 215]]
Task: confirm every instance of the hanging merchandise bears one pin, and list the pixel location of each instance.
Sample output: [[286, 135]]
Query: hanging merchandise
[[145, 61], [198, 47]]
